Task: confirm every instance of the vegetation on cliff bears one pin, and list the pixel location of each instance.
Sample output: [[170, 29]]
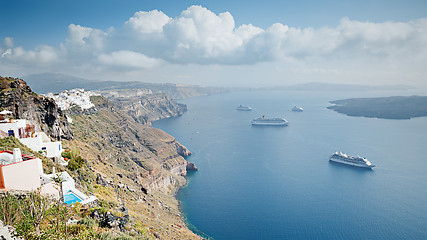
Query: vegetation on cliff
[[135, 165], [132, 168], [37, 217]]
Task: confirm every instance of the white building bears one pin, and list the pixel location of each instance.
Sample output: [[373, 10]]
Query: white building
[[21, 172], [41, 142], [15, 127], [25, 132], [70, 98]]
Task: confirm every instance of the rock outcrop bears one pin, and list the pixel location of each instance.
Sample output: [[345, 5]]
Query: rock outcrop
[[149, 107], [110, 220], [181, 150], [17, 97]]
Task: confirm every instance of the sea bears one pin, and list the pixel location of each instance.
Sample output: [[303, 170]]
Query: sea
[[277, 183]]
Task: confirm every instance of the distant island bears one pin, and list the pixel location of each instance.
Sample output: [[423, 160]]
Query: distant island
[[397, 107]]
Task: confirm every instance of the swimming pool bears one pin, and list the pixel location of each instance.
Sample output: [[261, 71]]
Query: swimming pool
[[71, 198]]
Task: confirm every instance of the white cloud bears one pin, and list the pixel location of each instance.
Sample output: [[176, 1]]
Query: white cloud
[[8, 42], [148, 22], [128, 59], [247, 32], [84, 39], [388, 39], [41, 55], [199, 36]]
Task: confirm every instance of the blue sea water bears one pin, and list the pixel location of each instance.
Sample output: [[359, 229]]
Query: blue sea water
[[277, 183]]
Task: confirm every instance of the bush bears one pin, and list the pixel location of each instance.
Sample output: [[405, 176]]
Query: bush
[[107, 204], [88, 222], [66, 154], [75, 163], [8, 208]]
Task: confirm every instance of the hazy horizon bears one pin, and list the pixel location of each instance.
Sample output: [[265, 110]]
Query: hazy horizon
[[274, 43]]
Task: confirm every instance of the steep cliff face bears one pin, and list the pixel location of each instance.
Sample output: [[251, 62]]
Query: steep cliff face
[[144, 165], [149, 107], [127, 163], [17, 97], [155, 151]]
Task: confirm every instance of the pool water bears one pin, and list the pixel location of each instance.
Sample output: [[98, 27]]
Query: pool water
[[71, 198]]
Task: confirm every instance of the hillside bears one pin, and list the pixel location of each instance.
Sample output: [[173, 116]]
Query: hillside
[[385, 107], [134, 164], [132, 168]]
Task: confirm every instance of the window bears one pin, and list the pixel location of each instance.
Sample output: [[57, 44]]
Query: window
[[11, 133]]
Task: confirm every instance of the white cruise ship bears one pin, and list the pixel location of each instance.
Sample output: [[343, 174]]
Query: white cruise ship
[[340, 157], [270, 121], [244, 108], [297, 109]]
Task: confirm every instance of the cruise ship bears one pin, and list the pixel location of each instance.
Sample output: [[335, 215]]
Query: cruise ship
[[244, 108], [270, 121], [340, 157], [297, 109]]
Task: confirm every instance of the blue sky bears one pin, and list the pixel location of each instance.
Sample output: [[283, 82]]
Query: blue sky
[[291, 39], [45, 21]]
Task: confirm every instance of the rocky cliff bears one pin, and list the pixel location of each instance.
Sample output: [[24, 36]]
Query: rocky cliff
[[128, 165], [17, 97], [136, 164], [148, 107]]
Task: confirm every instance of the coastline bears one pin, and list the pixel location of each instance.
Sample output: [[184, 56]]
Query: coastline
[[142, 164], [184, 217]]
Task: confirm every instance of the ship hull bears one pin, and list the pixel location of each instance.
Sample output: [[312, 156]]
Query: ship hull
[[269, 124], [351, 163]]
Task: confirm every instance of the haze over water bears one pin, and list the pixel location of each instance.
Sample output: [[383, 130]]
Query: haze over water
[[277, 183]]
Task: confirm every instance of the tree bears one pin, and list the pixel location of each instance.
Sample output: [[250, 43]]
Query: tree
[[33, 209], [8, 207]]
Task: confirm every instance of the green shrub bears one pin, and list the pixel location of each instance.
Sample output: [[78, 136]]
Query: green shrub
[[107, 204], [75, 163], [66, 154], [8, 208], [88, 222]]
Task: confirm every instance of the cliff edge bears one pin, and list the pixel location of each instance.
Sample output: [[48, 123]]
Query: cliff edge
[[17, 97], [135, 165], [132, 168]]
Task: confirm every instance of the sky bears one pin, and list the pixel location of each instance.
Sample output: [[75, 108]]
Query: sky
[[218, 43]]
